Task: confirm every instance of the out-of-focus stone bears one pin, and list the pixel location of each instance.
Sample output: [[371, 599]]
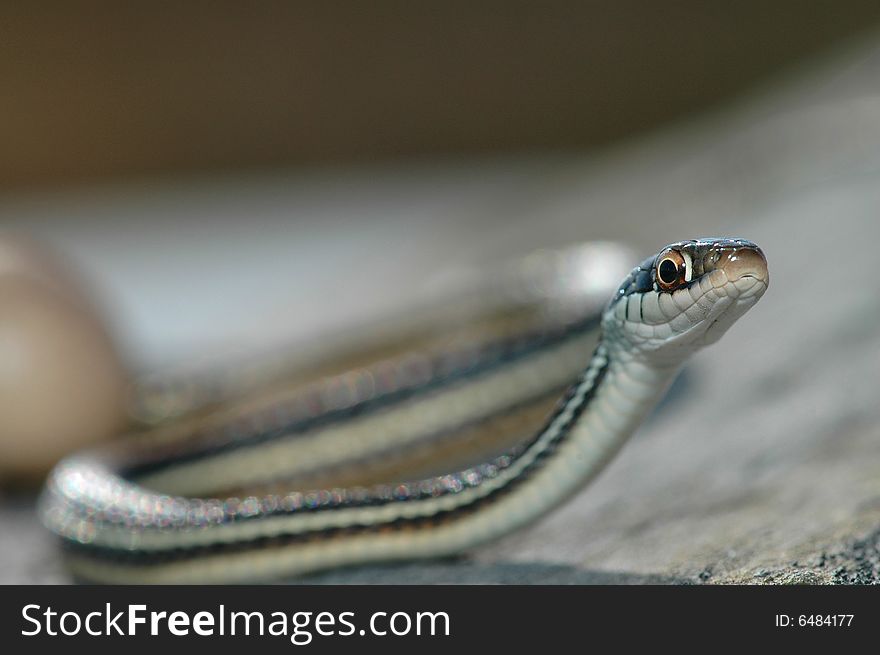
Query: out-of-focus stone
[[62, 385]]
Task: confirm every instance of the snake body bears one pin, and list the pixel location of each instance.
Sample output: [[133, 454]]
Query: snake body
[[313, 478]]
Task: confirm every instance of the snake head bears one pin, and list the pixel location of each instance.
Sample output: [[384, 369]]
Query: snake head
[[685, 297]]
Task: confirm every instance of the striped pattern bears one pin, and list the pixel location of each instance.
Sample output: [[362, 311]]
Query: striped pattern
[[129, 514]]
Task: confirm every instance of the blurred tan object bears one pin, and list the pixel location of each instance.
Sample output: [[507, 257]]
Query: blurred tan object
[[62, 384]]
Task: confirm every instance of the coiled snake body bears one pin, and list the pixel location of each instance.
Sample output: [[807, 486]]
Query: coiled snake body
[[310, 476]]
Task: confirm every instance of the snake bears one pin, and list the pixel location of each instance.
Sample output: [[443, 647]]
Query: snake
[[447, 435]]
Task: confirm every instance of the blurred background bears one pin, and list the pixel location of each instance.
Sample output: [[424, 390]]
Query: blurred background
[[100, 91], [187, 185]]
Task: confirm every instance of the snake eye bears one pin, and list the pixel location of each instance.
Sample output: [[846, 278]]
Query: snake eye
[[671, 270]]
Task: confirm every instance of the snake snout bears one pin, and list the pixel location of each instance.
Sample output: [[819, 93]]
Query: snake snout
[[745, 262]]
